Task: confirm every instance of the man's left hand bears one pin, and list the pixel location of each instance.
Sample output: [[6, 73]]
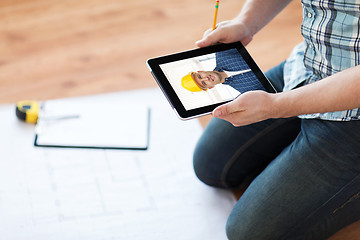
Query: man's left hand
[[249, 107]]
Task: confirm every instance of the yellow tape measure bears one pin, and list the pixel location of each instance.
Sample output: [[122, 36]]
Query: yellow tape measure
[[28, 111]]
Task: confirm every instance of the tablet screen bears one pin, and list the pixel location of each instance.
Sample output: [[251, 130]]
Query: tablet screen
[[195, 80]]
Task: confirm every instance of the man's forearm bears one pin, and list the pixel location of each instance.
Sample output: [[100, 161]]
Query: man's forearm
[[255, 14], [338, 92]]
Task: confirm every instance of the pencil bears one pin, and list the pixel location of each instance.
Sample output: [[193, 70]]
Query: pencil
[[216, 11]]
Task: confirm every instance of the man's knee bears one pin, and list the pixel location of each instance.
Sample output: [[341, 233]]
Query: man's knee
[[231, 231], [236, 229], [213, 152], [205, 168]]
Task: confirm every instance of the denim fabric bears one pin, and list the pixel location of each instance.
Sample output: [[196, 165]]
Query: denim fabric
[[306, 174]]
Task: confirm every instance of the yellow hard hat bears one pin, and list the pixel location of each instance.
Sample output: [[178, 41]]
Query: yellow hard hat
[[189, 83]]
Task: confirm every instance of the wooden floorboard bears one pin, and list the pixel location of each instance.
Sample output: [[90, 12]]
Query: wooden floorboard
[[52, 49], [56, 49]]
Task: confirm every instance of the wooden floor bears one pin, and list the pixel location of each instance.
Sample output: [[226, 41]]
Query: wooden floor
[[57, 49], [52, 49]]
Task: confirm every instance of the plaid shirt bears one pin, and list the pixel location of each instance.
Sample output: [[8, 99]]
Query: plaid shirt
[[331, 31], [231, 61]]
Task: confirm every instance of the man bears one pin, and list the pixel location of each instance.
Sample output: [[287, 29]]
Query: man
[[231, 69], [306, 169]]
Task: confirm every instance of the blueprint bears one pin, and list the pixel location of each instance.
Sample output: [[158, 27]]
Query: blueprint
[[54, 193]]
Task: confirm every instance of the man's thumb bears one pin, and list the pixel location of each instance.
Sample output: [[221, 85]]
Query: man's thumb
[[202, 43], [210, 38], [220, 111], [226, 109]]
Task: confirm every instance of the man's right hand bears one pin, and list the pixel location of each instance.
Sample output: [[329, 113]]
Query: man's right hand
[[226, 32], [254, 15]]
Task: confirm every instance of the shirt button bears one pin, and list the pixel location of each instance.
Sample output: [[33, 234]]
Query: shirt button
[[309, 14]]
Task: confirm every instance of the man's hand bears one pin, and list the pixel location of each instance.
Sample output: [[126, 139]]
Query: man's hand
[[249, 107], [226, 32], [253, 16]]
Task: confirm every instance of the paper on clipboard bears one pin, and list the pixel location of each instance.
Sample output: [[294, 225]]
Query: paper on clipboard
[[87, 124]]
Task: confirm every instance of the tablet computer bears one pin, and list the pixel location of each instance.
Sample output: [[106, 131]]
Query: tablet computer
[[195, 82]]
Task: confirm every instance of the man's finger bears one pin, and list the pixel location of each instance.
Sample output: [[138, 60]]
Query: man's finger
[[222, 111], [207, 32], [202, 42], [210, 38], [227, 109], [232, 118]]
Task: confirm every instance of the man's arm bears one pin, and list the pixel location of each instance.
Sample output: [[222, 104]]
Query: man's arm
[[340, 91], [254, 15]]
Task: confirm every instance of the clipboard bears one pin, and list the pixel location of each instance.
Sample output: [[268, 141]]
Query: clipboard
[[90, 124]]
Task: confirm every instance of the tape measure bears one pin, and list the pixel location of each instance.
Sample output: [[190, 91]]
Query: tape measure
[[28, 111]]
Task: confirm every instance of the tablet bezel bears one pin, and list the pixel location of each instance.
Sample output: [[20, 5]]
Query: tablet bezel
[[154, 66]]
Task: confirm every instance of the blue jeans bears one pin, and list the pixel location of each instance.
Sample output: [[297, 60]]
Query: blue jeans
[[304, 174]]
